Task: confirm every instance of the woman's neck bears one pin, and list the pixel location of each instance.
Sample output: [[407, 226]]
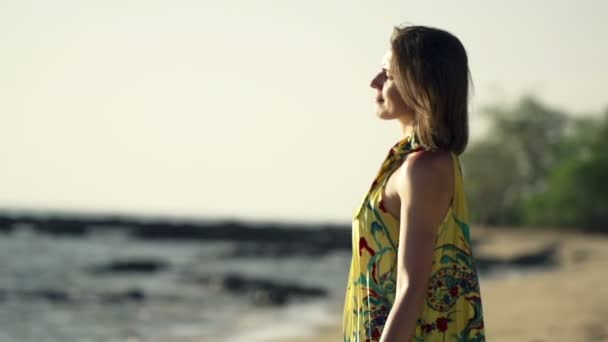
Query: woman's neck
[[407, 127]]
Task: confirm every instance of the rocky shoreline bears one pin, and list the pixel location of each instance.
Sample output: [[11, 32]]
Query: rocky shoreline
[[312, 239], [250, 240]]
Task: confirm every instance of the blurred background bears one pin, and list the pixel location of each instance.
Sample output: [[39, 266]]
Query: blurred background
[[188, 170]]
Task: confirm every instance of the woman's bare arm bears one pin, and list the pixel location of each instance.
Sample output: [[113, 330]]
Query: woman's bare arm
[[425, 195]]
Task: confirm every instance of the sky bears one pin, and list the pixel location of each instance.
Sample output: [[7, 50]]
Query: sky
[[251, 109]]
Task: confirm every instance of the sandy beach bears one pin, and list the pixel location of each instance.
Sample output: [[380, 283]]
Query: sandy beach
[[567, 303]]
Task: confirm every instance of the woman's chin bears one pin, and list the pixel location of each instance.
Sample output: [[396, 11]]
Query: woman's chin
[[384, 115]]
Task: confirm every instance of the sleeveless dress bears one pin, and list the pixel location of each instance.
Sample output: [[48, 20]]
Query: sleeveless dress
[[453, 308]]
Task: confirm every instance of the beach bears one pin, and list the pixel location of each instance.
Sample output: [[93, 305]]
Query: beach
[[565, 303], [114, 286]]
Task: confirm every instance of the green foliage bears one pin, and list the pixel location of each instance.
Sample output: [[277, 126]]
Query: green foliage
[[492, 188], [577, 194], [539, 166]]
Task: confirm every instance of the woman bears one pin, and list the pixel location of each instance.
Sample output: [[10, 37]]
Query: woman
[[413, 276]]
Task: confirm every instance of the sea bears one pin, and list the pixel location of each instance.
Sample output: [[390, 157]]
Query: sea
[[49, 294]]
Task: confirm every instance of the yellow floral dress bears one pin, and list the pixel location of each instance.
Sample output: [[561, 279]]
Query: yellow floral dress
[[453, 308]]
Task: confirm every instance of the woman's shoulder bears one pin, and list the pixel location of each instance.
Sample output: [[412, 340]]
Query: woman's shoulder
[[427, 188], [428, 173], [430, 164]]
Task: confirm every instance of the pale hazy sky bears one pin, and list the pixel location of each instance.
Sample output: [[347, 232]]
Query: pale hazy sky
[[248, 109]]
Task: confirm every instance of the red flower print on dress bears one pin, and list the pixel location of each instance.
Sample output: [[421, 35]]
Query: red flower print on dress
[[442, 323], [363, 245], [376, 335], [382, 207]]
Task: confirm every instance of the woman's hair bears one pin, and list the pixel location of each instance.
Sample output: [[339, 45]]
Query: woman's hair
[[431, 72]]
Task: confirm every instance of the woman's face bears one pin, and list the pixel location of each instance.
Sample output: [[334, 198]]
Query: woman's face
[[389, 103]]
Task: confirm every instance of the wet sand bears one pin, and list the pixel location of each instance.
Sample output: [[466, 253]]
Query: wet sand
[[567, 303]]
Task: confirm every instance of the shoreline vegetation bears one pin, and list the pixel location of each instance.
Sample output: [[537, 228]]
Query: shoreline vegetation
[[538, 165]]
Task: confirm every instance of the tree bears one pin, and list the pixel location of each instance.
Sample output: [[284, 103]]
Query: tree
[[514, 160], [577, 193]]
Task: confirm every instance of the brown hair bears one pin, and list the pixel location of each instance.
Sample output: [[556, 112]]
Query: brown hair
[[433, 77]]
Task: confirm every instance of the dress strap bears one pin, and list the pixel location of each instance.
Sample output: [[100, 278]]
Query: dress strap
[[395, 155]]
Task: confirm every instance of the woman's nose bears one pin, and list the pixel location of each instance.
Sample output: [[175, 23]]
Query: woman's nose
[[376, 82]]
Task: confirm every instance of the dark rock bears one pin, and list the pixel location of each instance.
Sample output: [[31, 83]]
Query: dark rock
[[300, 239], [131, 295], [304, 239], [543, 257], [546, 257], [61, 227], [131, 266], [59, 296], [6, 225], [315, 238], [266, 297], [260, 291], [51, 295]]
